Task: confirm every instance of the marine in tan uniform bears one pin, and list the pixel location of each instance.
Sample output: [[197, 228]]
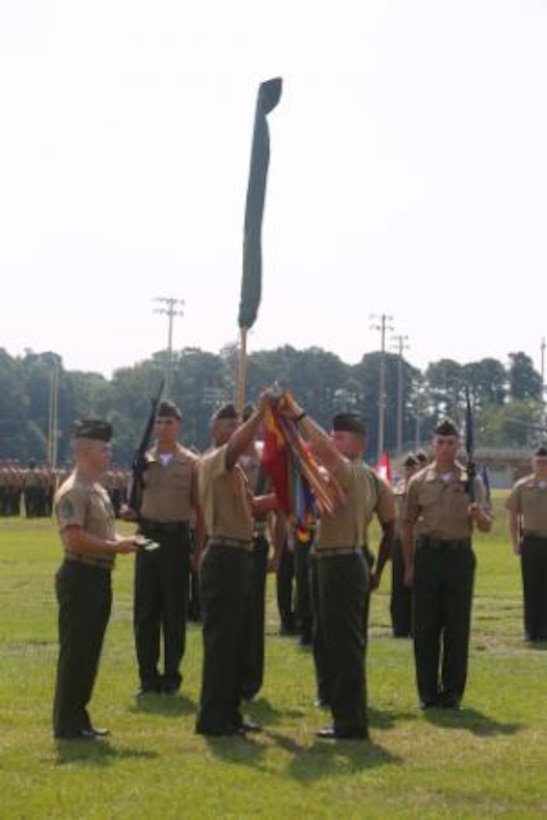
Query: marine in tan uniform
[[343, 575], [169, 499], [253, 662], [380, 504], [83, 584], [440, 564], [527, 514], [226, 570]]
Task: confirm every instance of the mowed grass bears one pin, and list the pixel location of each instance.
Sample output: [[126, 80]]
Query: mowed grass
[[489, 759]]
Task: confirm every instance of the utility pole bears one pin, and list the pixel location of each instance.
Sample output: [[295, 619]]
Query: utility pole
[[382, 327], [401, 347], [543, 376], [53, 415], [543, 365], [170, 309]]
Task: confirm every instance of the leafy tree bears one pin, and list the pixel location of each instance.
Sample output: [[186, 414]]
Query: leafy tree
[[519, 423], [487, 382], [445, 380], [524, 380]]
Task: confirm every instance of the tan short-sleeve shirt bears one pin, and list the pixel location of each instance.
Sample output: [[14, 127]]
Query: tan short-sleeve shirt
[[366, 494], [528, 498], [225, 497], [84, 504], [438, 504], [169, 492]]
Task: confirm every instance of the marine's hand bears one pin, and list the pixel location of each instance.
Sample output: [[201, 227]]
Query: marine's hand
[[127, 545], [475, 512], [273, 564], [374, 581], [516, 547], [267, 398], [289, 407]]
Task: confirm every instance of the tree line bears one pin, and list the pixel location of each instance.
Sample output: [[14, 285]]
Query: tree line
[[507, 397]]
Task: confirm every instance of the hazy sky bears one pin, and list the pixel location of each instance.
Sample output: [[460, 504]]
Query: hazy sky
[[408, 174]]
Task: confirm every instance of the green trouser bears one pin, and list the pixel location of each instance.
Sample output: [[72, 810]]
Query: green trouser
[[342, 592], [84, 595], [533, 559], [253, 664], [320, 659], [303, 612], [401, 594], [225, 585], [160, 606], [284, 589], [442, 597]]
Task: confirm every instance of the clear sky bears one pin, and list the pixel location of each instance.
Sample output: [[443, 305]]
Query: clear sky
[[408, 174]]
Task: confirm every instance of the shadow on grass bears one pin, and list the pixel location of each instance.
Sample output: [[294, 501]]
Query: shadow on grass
[[537, 646], [472, 720], [239, 749], [388, 720], [97, 752], [326, 758], [153, 704], [263, 711]]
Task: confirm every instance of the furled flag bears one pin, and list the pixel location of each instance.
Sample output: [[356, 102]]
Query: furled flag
[[300, 484], [269, 94], [383, 468]]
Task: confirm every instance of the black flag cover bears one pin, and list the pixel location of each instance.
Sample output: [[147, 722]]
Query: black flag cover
[[269, 94]]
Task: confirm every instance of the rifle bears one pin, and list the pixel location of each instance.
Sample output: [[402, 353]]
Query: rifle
[[470, 448], [139, 459]]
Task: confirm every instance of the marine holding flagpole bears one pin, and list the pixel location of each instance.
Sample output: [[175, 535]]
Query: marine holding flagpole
[[226, 569]]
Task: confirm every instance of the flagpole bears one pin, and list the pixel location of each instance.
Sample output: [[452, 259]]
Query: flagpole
[[242, 371]]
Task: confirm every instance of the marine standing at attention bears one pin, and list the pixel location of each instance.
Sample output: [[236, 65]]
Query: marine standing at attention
[[527, 512], [169, 499], [83, 583], [440, 565]]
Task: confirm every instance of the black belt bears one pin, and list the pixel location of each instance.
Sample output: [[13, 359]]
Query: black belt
[[234, 543], [440, 544], [531, 534], [335, 552], [158, 528], [90, 560]]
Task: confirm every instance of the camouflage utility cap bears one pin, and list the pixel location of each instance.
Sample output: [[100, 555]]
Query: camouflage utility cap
[[95, 429]]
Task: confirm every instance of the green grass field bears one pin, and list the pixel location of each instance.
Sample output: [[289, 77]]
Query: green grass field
[[488, 759]]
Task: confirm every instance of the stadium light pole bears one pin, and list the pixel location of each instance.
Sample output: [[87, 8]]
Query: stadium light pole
[[170, 308]]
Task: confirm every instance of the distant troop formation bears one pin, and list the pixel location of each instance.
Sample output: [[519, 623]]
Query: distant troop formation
[[29, 491], [208, 529]]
